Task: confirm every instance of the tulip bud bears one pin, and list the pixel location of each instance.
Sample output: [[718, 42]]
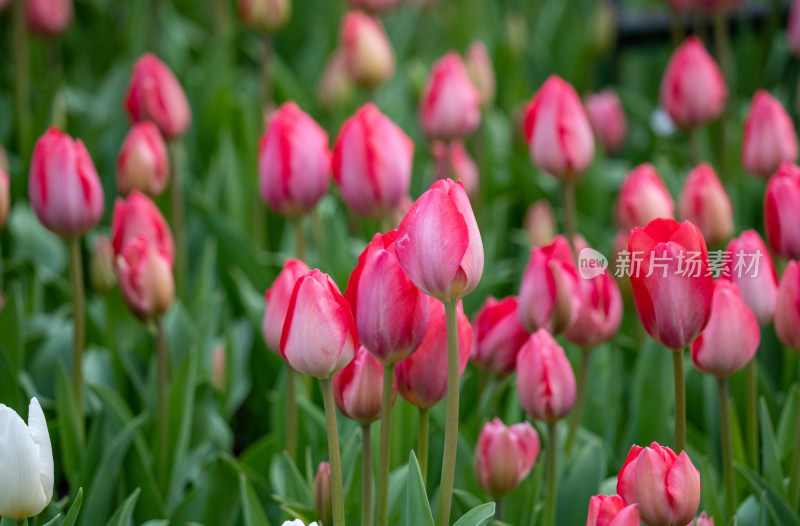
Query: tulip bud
[[498, 336], [323, 503], [335, 88], [294, 163], [793, 28], [319, 335], [368, 53], [277, 302], [357, 389], [4, 4], [557, 130], [768, 138], [545, 380], [219, 368], [666, 486], [540, 223], [693, 90], [439, 245], [702, 520], [704, 202], [101, 269], [608, 120], [372, 161], [758, 289], [266, 16], [138, 216], [48, 18], [64, 188], [5, 197], [504, 456], [549, 295], [449, 107], [145, 279], [26, 486], [155, 94], [453, 161], [374, 6], [787, 315], [143, 162], [643, 198], [781, 209], [610, 510], [479, 66]]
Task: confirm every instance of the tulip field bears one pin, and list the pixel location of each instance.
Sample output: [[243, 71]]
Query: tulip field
[[399, 262]]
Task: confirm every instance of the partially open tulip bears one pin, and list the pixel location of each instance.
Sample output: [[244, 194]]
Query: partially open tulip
[[782, 211], [549, 295], [63, 188], [319, 336], [367, 50], [545, 380], [422, 377], [453, 161], [759, 286], [323, 502], [540, 223], [693, 90], [705, 202], [498, 335], [642, 198], [5, 197], [504, 456], [26, 462], [731, 338], [702, 520], [374, 6], [372, 161], [672, 285], [557, 130], [277, 301], [101, 268], [138, 216], [769, 137], [450, 104], [608, 120], [294, 164], [143, 161], [48, 17], [335, 87], [265, 15], [666, 486], [787, 307], [358, 387], [439, 245], [610, 510], [391, 313], [479, 66], [154, 94], [144, 274]]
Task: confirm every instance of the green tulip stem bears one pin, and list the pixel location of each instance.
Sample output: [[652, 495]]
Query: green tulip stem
[[385, 447], [694, 146], [366, 475], [178, 223], [727, 447], [291, 412], [21, 79], [163, 402], [300, 239], [550, 474], [79, 320], [570, 213], [451, 421], [794, 484], [333, 452], [580, 398], [680, 401], [751, 411], [422, 444]]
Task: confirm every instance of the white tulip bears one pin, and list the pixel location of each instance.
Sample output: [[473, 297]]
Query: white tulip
[[297, 522], [26, 463]]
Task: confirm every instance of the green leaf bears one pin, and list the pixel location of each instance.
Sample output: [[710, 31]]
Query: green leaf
[[418, 509], [780, 509], [74, 510], [34, 243], [53, 521], [769, 445], [181, 411], [251, 507], [477, 516], [124, 513], [72, 451]]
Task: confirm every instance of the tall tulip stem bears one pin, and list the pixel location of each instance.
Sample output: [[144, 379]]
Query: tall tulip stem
[[163, 401], [21, 79], [451, 425], [580, 398], [550, 474], [366, 475], [299, 238], [178, 223], [79, 320], [794, 484], [571, 214], [385, 447], [680, 401], [727, 447], [694, 146], [291, 412], [751, 411], [333, 452], [422, 445]]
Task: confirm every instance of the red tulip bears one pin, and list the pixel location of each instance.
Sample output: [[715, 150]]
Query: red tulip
[[498, 336], [155, 94], [793, 28], [374, 6], [782, 211], [450, 103], [693, 90], [277, 301], [5, 197], [608, 120], [439, 245], [666, 486], [479, 66], [759, 288], [769, 137], [504, 456], [357, 388], [319, 336], [787, 307], [323, 501], [610, 510], [730, 340], [265, 15], [672, 285], [545, 380], [139, 216], [48, 17], [372, 161], [557, 130], [144, 274], [453, 161], [642, 198], [540, 223], [422, 377], [704, 202], [143, 162], [63, 188], [367, 50], [294, 163]]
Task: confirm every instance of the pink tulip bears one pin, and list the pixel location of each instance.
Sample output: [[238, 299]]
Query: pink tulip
[[705, 202], [294, 165], [782, 211], [504, 456], [323, 501], [787, 307], [549, 295], [642, 198], [672, 285], [139, 216], [319, 336], [608, 120], [545, 380], [277, 301], [5, 197], [453, 161], [768, 138], [143, 161], [439, 245], [449, 106], [4, 4], [730, 340], [335, 87], [557, 130], [759, 289], [793, 28], [155, 94], [372, 161], [702, 520], [265, 15], [610, 510], [498, 335], [63, 188], [422, 377], [145, 279], [374, 6], [357, 388], [540, 223], [693, 90], [666, 486], [479, 66], [367, 50], [390, 312], [48, 17]]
